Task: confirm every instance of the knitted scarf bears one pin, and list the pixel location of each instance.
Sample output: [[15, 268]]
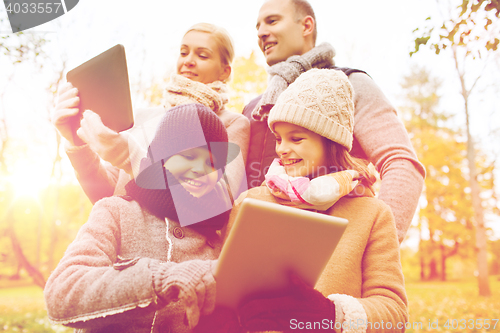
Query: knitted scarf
[[181, 90], [319, 193], [284, 73], [161, 204]]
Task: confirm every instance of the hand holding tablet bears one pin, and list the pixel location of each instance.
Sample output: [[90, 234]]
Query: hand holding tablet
[[267, 242]]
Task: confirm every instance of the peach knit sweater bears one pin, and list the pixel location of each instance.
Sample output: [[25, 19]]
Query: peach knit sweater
[[364, 275]]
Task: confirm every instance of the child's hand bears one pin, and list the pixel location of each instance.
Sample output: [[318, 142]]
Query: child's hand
[[190, 283], [66, 112]]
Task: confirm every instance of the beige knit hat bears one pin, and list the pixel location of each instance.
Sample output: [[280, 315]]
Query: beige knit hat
[[320, 100]]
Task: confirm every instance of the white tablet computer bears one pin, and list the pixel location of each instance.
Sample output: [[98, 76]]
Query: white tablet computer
[[104, 88], [268, 241]]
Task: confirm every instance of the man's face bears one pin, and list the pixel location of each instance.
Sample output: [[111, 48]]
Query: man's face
[[280, 34]]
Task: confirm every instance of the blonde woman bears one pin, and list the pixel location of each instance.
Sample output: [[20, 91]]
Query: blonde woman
[[203, 68]]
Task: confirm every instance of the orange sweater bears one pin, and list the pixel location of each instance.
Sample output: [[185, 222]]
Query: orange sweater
[[365, 266]]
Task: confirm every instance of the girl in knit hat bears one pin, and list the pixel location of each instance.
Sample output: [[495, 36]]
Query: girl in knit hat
[[143, 262], [362, 287], [203, 68]]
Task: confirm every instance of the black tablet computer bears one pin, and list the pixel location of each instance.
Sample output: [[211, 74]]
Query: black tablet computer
[[104, 88]]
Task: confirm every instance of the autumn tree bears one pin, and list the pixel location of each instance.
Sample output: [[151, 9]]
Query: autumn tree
[[470, 31], [445, 215], [495, 251], [30, 226], [249, 79], [15, 49]]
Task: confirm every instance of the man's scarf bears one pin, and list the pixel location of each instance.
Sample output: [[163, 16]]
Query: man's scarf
[[284, 73]]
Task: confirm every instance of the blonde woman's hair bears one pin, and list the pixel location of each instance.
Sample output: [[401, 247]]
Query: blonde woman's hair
[[222, 38]]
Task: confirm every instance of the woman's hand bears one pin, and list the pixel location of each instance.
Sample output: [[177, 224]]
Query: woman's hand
[[302, 304], [65, 115]]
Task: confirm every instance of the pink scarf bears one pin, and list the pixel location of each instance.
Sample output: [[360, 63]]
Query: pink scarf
[[319, 193]]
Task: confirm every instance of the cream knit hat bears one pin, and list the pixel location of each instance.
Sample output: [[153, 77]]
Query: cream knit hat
[[320, 100]]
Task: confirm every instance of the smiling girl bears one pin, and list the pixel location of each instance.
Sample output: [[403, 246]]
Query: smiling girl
[[143, 262], [203, 68], [363, 282]]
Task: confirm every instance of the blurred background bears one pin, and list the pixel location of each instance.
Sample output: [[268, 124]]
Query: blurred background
[[447, 95]]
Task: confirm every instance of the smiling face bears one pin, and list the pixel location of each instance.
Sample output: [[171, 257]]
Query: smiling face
[[199, 59], [280, 33], [193, 170], [301, 151]]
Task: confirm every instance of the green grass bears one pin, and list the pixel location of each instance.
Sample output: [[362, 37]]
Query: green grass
[[22, 309], [442, 301]]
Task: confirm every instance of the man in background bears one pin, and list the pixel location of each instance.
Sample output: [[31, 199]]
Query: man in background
[[287, 36]]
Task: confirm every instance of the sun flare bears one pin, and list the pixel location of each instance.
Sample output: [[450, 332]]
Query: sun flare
[[27, 182]]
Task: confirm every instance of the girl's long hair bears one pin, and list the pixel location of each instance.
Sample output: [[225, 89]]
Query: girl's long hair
[[339, 159]]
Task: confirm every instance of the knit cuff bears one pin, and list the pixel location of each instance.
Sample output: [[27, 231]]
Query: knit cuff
[[172, 280], [83, 159], [355, 318], [190, 282], [70, 149]]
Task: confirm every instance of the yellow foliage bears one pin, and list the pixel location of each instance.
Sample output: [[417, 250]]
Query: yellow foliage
[[249, 80]]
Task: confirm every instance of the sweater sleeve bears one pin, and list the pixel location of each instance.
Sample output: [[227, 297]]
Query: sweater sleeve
[[97, 178], [381, 137], [87, 290], [238, 131], [383, 292]]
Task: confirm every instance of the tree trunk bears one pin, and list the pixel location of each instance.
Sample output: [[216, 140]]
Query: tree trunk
[[23, 261], [421, 254], [482, 261], [422, 268], [422, 261], [433, 271], [443, 262]]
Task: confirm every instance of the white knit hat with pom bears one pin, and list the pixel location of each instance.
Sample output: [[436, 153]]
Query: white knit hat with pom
[[320, 100]]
